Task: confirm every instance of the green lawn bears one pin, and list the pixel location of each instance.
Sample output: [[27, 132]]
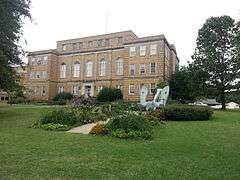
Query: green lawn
[[179, 150]]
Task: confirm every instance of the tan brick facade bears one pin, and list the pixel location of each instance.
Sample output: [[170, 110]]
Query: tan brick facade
[[85, 65]]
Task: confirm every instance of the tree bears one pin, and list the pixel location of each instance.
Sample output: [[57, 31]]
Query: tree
[[217, 55], [12, 13]]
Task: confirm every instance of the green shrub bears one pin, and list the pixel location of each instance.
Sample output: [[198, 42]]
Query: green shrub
[[109, 95], [55, 127], [187, 112], [72, 116], [16, 100], [155, 116], [63, 96], [132, 134], [129, 122]]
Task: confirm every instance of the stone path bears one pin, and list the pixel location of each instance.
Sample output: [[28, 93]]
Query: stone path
[[86, 128]]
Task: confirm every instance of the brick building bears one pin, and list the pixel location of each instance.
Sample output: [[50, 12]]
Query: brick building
[[85, 65]]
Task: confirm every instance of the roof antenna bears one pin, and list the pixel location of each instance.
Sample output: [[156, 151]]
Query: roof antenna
[[106, 21]]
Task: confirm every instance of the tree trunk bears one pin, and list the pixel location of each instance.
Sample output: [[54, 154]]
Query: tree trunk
[[223, 100]]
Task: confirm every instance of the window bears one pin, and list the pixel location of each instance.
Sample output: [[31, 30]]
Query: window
[[102, 68], [142, 69], [63, 70], [80, 45], [75, 90], [132, 51], [90, 44], [64, 47], [107, 42], [152, 68], [43, 91], [152, 88], [142, 50], [99, 88], [44, 74], [45, 59], [60, 89], [34, 61], [120, 40], [153, 49], [132, 69], [89, 69], [38, 75], [119, 67], [119, 86], [131, 89], [166, 71], [74, 45], [76, 69], [99, 42]]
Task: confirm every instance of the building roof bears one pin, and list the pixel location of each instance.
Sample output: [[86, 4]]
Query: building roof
[[48, 51]]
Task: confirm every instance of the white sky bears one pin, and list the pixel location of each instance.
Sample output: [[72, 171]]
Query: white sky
[[178, 20]]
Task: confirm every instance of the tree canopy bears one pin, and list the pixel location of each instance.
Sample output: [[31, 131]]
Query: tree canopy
[[12, 13], [217, 55]]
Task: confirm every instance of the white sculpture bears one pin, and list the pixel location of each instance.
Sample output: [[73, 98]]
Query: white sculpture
[[160, 98]]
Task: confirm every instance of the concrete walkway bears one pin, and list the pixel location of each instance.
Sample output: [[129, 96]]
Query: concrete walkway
[[86, 128]]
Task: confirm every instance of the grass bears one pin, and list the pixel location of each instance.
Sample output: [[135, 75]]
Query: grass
[[179, 150]]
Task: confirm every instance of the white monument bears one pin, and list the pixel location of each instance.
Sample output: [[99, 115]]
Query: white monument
[[159, 100]]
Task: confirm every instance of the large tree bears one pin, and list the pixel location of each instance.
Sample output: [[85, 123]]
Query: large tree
[[12, 13], [217, 55]]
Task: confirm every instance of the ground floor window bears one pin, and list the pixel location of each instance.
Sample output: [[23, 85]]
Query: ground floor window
[[152, 88], [60, 89], [131, 89]]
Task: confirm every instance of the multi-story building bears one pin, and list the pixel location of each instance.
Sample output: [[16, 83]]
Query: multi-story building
[[86, 65]]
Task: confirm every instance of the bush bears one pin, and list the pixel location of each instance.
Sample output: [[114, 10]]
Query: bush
[[98, 129], [155, 116], [63, 96], [17, 100], [129, 122], [55, 127], [187, 112], [83, 100], [132, 134], [72, 116], [109, 95]]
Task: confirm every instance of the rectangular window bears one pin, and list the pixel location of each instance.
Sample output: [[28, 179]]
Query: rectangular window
[[75, 90], [152, 68], [131, 89], [119, 86], [142, 50], [99, 42], [76, 70], [44, 74], [166, 71], [152, 88], [119, 65], [132, 69], [33, 61], [45, 59], [120, 40], [89, 69], [63, 71], [102, 68], [43, 91], [99, 88], [90, 44], [142, 69], [38, 75], [80, 44], [153, 49], [132, 51], [107, 42], [60, 89]]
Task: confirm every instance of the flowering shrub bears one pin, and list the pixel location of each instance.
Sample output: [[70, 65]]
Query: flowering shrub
[[98, 129]]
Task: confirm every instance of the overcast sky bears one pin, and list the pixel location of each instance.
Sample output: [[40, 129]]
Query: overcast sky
[[178, 20]]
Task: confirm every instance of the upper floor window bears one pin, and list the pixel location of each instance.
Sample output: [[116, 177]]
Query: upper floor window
[[120, 40], [74, 46], [64, 47], [76, 69], [131, 89], [63, 70], [90, 44], [119, 67], [107, 42], [34, 61], [132, 69], [102, 67], [132, 51], [153, 49], [80, 44], [142, 50], [166, 71], [152, 88], [99, 42], [142, 69], [45, 59], [89, 69], [153, 68]]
